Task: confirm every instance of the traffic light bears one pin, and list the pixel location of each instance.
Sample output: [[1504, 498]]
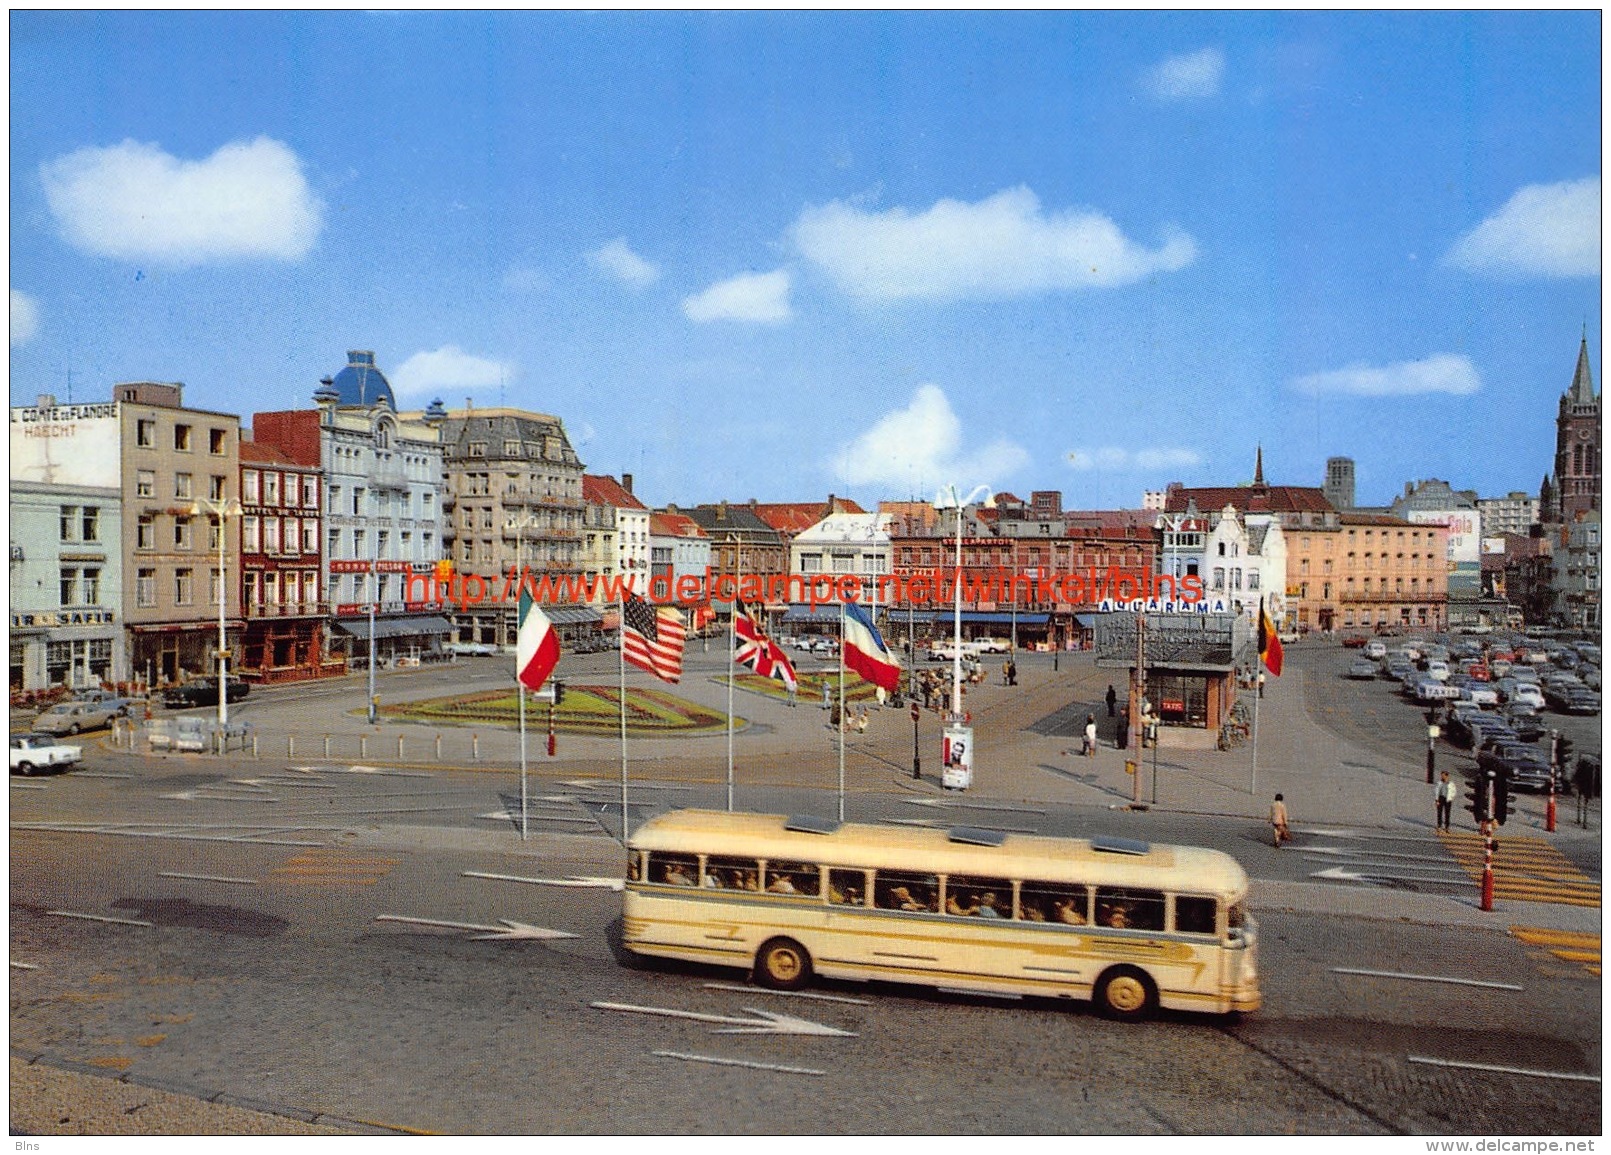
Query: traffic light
[[1501, 796], [1477, 797], [559, 691]]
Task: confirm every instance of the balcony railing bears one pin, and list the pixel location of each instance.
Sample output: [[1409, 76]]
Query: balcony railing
[[1384, 596], [288, 610]]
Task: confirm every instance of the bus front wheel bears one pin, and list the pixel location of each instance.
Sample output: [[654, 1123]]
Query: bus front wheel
[[782, 964], [1126, 993]]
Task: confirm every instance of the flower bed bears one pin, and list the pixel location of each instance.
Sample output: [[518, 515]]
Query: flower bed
[[585, 710]]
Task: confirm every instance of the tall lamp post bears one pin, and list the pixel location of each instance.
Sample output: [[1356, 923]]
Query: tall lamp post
[[222, 510], [957, 748]]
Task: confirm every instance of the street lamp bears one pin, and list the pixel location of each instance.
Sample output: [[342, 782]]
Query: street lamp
[[947, 499], [221, 509]]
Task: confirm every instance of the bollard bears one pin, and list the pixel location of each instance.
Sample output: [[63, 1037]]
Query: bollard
[[254, 746], [1488, 873], [290, 745], [1549, 810], [439, 747], [475, 747], [363, 745], [327, 745], [399, 747]]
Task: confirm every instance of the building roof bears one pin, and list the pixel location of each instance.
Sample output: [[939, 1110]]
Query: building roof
[[602, 489], [725, 520], [1251, 498], [1582, 391], [1353, 517], [792, 517], [675, 525], [261, 453], [1120, 519], [360, 383]]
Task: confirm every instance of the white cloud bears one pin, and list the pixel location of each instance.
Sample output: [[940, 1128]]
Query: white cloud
[[618, 260], [747, 297], [1003, 246], [1190, 76], [1544, 230], [1113, 459], [1441, 373], [448, 370], [134, 201], [24, 317], [921, 445]]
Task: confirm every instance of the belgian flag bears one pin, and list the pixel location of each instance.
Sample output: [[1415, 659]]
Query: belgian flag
[[1269, 643]]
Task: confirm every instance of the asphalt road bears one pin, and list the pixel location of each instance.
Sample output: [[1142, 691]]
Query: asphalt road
[[341, 943]]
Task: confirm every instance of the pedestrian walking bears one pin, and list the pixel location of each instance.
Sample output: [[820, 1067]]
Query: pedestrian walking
[[1261, 683], [827, 699], [1006, 673], [1278, 821], [1012, 672], [1090, 735], [1124, 729], [1113, 699], [1445, 800]]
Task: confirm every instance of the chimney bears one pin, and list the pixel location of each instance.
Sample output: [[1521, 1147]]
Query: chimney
[[626, 482], [47, 401]]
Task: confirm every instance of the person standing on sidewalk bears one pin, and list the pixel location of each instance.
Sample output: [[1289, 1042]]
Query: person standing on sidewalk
[[1090, 735], [1113, 698], [1278, 821], [1445, 800]]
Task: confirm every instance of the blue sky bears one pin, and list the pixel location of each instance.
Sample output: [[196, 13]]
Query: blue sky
[[775, 255]]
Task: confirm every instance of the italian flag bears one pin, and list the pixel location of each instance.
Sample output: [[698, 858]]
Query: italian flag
[[536, 647]]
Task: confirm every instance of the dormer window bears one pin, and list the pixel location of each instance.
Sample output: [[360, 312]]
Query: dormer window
[[383, 435]]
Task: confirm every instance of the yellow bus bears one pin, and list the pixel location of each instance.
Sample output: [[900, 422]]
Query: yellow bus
[[1128, 925]]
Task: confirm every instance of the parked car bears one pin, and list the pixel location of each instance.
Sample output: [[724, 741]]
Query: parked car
[[1525, 774], [73, 717], [462, 649], [202, 692], [1355, 642], [105, 698], [1523, 720], [33, 753], [825, 645], [1477, 694], [1362, 669], [1375, 650], [1437, 669], [990, 646], [1579, 700]]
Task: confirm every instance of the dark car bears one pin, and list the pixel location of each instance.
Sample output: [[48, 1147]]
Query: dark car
[[203, 692], [1524, 722], [1525, 775]]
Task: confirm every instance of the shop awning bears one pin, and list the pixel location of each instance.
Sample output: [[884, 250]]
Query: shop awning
[[396, 627], [573, 615]]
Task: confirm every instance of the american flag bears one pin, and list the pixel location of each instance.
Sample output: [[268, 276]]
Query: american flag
[[759, 652], [652, 641]]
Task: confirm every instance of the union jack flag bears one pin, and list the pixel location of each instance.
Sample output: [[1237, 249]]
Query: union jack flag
[[759, 652], [652, 641]]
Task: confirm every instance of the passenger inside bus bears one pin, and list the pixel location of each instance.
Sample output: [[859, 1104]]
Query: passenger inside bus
[[676, 875], [960, 904], [782, 884], [1030, 910], [1066, 912], [987, 905], [1116, 915]]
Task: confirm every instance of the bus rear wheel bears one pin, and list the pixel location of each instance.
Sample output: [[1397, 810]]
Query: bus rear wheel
[[782, 965], [1126, 993]]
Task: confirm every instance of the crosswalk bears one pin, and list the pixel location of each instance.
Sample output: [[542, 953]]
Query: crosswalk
[[1568, 946], [1525, 869]]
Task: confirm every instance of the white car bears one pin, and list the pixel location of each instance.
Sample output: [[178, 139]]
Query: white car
[[1375, 651], [989, 646], [1438, 671], [1528, 694], [32, 753], [1479, 694]]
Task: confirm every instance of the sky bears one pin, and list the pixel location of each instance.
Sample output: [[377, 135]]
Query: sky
[[778, 255]]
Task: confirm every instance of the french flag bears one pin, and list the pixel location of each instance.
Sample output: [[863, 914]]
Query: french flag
[[536, 646], [865, 652]]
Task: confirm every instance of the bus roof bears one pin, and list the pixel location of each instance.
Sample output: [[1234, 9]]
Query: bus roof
[[1021, 856]]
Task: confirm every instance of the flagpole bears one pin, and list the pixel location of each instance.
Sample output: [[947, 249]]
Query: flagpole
[[620, 652], [841, 711], [732, 640], [522, 760], [1258, 677]]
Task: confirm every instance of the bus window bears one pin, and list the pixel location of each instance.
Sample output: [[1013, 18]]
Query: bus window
[[1195, 915], [793, 878], [978, 897], [732, 873], [1054, 902], [898, 890], [634, 869], [847, 887], [674, 869], [1126, 908]]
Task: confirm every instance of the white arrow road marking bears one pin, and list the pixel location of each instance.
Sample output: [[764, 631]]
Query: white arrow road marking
[[509, 930], [29, 786], [929, 822], [1345, 874], [509, 815], [573, 880], [381, 771], [769, 1022], [738, 1063], [206, 794], [1426, 978], [207, 877], [99, 774], [100, 918], [1502, 1070], [24, 966], [1345, 852]]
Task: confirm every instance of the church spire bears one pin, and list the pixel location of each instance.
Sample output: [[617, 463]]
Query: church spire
[[1258, 469], [1583, 380]]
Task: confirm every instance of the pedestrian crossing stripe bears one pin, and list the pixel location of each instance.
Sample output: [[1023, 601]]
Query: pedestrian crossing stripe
[[1525, 869], [1566, 945], [325, 867]]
